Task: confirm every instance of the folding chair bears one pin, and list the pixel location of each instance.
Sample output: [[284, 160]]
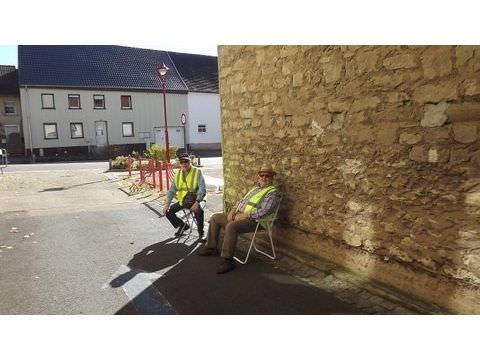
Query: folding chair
[[190, 219], [267, 226]]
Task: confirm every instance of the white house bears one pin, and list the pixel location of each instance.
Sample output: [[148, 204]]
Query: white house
[[200, 74], [103, 100]]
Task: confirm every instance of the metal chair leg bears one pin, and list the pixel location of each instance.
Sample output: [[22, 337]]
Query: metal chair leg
[[252, 243]]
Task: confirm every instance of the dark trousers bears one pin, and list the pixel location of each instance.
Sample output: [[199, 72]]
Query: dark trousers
[[175, 220]]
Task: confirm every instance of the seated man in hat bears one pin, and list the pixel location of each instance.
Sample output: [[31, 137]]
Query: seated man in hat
[[258, 203], [189, 189]]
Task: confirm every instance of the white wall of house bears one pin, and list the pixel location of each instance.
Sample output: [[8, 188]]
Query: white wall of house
[[204, 109], [146, 114]]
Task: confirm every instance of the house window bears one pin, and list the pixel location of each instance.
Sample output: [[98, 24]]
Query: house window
[[202, 128], [127, 129], [9, 108], [50, 131], [126, 101], [73, 101], [99, 101], [76, 130], [48, 102]]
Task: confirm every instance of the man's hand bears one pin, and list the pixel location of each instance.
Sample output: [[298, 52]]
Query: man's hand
[[165, 209], [241, 216], [195, 207], [231, 215]]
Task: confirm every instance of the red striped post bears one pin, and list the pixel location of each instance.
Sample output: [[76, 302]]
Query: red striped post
[[159, 165], [167, 179], [129, 162], [152, 171]]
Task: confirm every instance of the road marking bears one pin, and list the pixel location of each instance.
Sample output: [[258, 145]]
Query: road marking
[[138, 286]]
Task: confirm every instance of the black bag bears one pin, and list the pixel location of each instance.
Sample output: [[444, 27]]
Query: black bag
[[189, 199]]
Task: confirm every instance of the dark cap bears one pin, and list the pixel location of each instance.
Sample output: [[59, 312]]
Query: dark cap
[[184, 156]]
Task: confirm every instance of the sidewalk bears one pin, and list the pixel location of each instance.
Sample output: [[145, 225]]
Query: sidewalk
[[293, 284]]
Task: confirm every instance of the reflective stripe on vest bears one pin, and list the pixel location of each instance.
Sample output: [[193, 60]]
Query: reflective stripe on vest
[[189, 185], [256, 199]]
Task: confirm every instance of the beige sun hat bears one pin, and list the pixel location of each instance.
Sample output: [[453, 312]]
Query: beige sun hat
[[267, 169]]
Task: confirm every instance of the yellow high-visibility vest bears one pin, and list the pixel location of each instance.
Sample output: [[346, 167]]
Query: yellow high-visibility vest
[[256, 199], [184, 186]]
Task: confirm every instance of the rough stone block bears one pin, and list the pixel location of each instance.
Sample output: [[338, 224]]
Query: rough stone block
[[465, 133], [387, 133], [463, 54], [397, 97], [403, 61], [459, 155], [388, 81], [435, 93], [368, 102], [472, 87], [437, 61], [360, 133], [418, 153], [410, 138], [473, 198], [338, 106], [297, 79], [366, 62], [332, 72], [467, 111], [476, 158], [434, 115], [437, 134], [436, 155]]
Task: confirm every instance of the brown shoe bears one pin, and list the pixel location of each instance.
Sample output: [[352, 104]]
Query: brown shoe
[[226, 266], [205, 251]]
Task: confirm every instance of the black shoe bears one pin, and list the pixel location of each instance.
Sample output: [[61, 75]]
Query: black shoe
[[204, 251], [226, 266], [181, 229], [201, 237]]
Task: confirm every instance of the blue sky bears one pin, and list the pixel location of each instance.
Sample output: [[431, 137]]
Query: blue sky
[[8, 53]]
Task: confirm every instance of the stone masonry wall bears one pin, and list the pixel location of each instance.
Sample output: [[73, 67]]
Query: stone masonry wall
[[378, 154]]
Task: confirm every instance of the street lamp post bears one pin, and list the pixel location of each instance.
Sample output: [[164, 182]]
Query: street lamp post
[[162, 70]]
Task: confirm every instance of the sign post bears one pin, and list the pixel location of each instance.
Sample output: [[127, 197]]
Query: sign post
[[183, 119]]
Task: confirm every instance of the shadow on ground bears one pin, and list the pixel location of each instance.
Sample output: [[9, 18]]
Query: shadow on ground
[[192, 287]]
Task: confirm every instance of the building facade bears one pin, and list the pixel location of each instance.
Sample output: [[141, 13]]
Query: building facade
[[100, 100], [11, 136], [200, 74]]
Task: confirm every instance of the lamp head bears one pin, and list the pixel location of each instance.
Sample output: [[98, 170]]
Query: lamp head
[[162, 69]]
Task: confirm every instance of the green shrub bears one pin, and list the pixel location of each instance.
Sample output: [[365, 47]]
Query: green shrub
[[157, 153], [120, 162]]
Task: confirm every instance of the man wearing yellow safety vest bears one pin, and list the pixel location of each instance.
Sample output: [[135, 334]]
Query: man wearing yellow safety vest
[[259, 202], [189, 189]]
